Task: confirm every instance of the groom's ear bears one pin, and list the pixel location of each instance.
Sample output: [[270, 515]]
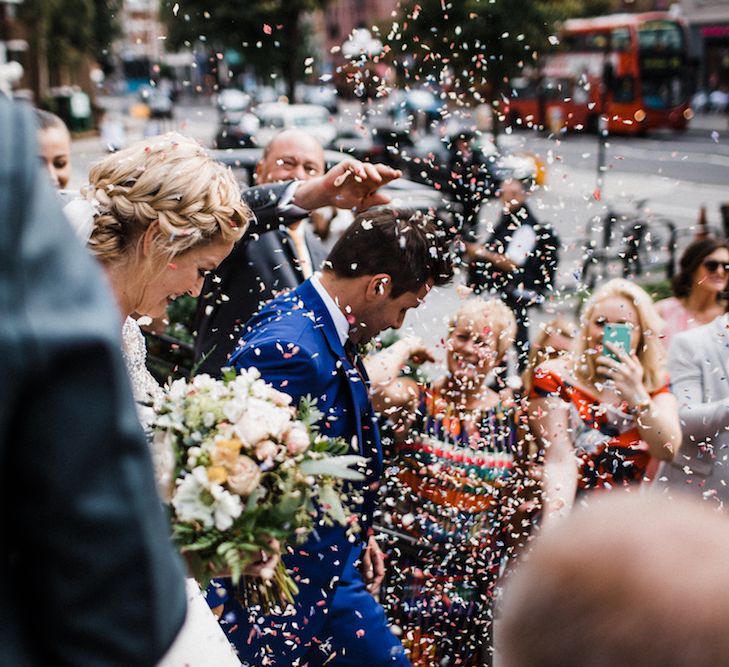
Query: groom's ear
[[378, 286]]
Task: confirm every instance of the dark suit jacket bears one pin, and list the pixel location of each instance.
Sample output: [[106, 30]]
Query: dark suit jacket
[[259, 267], [294, 344], [88, 576]]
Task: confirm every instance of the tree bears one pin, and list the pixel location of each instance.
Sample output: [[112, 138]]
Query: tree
[[476, 47], [64, 32], [267, 33]]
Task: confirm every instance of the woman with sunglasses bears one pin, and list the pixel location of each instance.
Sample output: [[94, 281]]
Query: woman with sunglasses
[[699, 287]]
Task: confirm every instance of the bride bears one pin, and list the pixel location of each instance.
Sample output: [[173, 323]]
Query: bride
[[160, 215]]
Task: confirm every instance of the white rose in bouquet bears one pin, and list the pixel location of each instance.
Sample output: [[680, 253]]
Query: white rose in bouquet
[[266, 450], [244, 476], [199, 499], [234, 407], [297, 440], [266, 392], [261, 420]]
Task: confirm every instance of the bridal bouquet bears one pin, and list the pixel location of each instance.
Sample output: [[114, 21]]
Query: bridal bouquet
[[249, 467]]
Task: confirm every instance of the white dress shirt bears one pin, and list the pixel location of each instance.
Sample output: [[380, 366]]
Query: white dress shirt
[[340, 321]]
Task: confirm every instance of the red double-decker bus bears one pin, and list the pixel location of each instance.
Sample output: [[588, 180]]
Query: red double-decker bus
[[633, 69]]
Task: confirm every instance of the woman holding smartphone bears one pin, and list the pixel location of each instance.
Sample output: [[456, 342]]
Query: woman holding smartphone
[[601, 413]]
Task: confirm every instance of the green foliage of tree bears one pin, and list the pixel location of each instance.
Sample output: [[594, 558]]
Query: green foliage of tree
[[267, 33], [64, 31], [477, 46]]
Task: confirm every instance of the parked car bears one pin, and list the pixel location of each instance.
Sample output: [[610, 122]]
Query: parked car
[[238, 134], [431, 157], [323, 95], [383, 142], [157, 100], [231, 104], [278, 116]]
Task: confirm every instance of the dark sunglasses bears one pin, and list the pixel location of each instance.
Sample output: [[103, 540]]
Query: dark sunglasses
[[712, 266]]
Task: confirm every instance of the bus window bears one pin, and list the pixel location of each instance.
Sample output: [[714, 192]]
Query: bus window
[[661, 36], [598, 41], [590, 42], [523, 88], [623, 89], [620, 39], [663, 92]]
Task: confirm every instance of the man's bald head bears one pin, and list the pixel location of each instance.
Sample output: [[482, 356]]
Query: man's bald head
[[291, 154], [631, 580]]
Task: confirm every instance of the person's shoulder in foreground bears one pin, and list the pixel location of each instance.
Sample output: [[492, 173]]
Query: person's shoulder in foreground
[[90, 575]]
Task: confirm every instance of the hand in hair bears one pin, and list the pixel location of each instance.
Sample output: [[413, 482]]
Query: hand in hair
[[350, 184]]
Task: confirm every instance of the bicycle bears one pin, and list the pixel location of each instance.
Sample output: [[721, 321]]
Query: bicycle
[[627, 244]]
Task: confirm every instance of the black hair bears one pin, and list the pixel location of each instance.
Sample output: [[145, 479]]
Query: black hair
[[405, 244], [691, 260]]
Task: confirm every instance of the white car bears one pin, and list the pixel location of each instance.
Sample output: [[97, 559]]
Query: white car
[[278, 116]]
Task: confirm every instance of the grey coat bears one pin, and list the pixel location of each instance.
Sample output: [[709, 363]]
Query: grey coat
[[89, 576], [699, 371]]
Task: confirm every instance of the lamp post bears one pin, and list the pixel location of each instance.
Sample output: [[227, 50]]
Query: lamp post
[[602, 123]]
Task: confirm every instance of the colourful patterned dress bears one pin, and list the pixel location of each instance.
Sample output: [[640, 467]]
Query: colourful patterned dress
[[442, 507]]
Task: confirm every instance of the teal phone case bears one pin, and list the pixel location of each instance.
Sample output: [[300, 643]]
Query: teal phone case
[[617, 334]]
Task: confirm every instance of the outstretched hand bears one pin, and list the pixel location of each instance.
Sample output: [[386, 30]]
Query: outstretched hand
[[349, 184], [417, 351]]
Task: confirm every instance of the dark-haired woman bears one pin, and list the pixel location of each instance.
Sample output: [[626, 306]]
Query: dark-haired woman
[[699, 288]]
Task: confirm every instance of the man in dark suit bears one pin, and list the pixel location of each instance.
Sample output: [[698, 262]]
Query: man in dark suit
[[261, 266], [89, 575], [303, 343], [517, 263]]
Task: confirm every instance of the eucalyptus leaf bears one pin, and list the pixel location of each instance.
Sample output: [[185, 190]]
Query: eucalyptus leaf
[[337, 466]]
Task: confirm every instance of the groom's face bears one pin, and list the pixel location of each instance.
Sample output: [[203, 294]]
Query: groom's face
[[389, 313]]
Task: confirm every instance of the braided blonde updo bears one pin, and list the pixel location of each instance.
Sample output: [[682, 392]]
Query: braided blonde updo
[[169, 180]]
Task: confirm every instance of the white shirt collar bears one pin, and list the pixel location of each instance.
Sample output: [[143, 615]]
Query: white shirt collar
[[340, 321]]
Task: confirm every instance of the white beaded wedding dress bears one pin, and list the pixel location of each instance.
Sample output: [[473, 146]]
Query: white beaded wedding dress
[[201, 641]]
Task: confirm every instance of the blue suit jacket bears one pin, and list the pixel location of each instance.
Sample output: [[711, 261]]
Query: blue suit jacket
[[294, 344]]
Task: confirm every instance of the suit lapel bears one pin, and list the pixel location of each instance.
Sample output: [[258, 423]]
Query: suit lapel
[[368, 439], [317, 252]]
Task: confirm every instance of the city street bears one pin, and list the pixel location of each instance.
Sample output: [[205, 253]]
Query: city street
[[675, 173]]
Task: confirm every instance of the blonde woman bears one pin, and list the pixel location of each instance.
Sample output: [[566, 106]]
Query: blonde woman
[[159, 215], [54, 146], [600, 420], [446, 491], [554, 339]]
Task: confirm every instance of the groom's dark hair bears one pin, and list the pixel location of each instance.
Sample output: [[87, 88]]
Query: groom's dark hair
[[407, 245]]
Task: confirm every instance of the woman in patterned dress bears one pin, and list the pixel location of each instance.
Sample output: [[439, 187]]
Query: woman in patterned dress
[[447, 494]]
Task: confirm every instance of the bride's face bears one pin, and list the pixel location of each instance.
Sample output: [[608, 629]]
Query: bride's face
[[183, 275]]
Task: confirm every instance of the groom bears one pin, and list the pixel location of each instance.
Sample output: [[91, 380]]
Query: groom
[[303, 343]]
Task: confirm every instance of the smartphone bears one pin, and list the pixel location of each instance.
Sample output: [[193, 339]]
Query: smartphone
[[617, 334]]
